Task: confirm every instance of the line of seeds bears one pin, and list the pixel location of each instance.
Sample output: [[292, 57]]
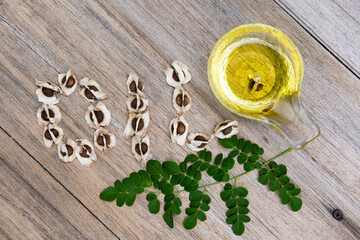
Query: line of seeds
[[49, 116], [176, 76], [138, 120]]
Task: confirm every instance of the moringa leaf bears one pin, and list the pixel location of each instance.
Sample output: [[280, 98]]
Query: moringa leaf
[[242, 202], [190, 222], [205, 207], [218, 159], [183, 167], [225, 177], [208, 156], [244, 218], [242, 158], [201, 216], [242, 192], [234, 140], [228, 186], [177, 202], [204, 166], [212, 170], [225, 195], [151, 196], [260, 151], [145, 179], [191, 158], [238, 228], [169, 197], [295, 204], [130, 199], [121, 199], [202, 154], [232, 219], [190, 211], [119, 186], [228, 163], [136, 178], [168, 218], [254, 148], [295, 191], [154, 206], [257, 165], [197, 175], [284, 180], [175, 209], [274, 186], [139, 190], [171, 166], [282, 169], [154, 167], [240, 143], [195, 196], [233, 153], [109, 194], [248, 166], [226, 143], [247, 147], [263, 179], [254, 158]]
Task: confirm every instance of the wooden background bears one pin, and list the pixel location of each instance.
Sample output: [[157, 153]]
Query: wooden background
[[43, 198]]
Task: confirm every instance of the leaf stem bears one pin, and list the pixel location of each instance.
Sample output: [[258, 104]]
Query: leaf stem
[[264, 164], [244, 173]]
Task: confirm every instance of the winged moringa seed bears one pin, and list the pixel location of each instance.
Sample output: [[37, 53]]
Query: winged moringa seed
[[198, 141], [226, 129], [103, 139], [136, 104], [140, 147], [179, 130], [181, 100], [52, 134], [91, 90], [67, 82], [137, 124], [48, 114], [134, 85], [66, 151], [46, 92], [177, 74], [98, 116], [85, 152]]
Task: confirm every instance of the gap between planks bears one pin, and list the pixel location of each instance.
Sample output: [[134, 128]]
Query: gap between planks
[[326, 46], [62, 185]]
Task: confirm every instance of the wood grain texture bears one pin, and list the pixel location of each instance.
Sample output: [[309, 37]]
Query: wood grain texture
[[334, 23], [107, 40], [35, 206]]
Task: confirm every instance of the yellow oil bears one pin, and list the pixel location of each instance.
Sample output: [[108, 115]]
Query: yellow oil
[[254, 75]]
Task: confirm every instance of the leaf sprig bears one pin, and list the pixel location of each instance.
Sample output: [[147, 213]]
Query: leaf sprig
[[170, 178]]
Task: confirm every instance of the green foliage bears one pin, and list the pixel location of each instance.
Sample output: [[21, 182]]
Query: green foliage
[[235, 200], [167, 177], [199, 203], [274, 175]]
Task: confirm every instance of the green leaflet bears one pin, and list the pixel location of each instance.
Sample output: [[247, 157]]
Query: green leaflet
[[109, 194], [226, 143], [168, 218], [154, 167], [190, 222], [154, 206]]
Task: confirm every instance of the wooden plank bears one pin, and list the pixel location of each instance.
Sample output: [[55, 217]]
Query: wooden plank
[[36, 206], [334, 23], [105, 41]]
